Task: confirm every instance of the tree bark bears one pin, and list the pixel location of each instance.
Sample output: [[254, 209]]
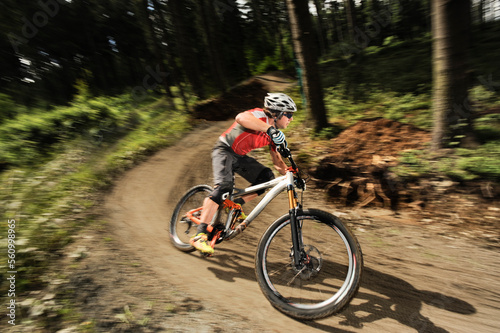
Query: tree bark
[[185, 50], [321, 28], [156, 50], [302, 35], [351, 17], [209, 19], [451, 109]]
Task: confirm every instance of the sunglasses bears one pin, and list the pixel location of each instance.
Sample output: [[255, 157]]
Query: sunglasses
[[289, 115]]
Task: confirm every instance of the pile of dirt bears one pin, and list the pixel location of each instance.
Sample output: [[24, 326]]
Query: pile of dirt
[[357, 171], [366, 141], [355, 168], [245, 96]]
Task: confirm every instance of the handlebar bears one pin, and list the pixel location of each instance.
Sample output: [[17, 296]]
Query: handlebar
[[286, 153]]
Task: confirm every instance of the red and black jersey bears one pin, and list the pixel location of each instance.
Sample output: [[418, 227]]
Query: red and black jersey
[[243, 140]]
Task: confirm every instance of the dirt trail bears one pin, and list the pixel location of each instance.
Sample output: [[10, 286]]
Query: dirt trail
[[416, 279], [122, 274]]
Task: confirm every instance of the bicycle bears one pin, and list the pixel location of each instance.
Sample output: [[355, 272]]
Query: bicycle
[[308, 263]]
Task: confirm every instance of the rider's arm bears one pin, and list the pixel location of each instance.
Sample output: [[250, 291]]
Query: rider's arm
[[248, 120], [278, 162]]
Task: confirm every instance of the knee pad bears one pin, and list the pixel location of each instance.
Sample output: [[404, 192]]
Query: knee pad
[[221, 192], [264, 176]]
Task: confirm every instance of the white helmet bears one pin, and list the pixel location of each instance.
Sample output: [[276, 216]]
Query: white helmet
[[279, 102]]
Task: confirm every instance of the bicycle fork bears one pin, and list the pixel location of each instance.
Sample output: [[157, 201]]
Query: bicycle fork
[[294, 208]]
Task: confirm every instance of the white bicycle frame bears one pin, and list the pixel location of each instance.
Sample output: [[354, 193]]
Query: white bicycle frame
[[277, 185]]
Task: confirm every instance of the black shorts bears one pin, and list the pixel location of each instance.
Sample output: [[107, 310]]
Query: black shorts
[[225, 162]]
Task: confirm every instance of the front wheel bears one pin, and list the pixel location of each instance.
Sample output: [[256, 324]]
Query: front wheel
[[181, 227], [329, 273]]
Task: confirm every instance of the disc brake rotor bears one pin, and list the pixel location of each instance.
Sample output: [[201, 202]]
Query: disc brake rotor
[[311, 263]]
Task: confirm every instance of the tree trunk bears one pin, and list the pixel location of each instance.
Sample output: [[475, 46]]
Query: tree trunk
[[279, 36], [451, 109], [351, 18], [209, 19], [302, 35], [156, 50], [176, 76], [321, 28], [185, 49]]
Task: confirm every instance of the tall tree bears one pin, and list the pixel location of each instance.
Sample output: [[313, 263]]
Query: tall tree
[[321, 25], [210, 23], [233, 40], [302, 34], [185, 47], [280, 23], [156, 46], [351, 17], [451, 30]]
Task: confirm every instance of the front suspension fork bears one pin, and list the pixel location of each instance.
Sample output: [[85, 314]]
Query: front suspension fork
[[295, 208]]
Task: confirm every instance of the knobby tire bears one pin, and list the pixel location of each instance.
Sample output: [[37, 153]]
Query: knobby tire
[[329, 279], [181, 230]]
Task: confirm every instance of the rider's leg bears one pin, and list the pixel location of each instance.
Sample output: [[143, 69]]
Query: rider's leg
[[200, 240], [246, 198], [222, 167], [255, 173], [207, 214], [210, 206]]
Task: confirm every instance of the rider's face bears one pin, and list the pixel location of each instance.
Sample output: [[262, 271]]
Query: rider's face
[[283, 122]]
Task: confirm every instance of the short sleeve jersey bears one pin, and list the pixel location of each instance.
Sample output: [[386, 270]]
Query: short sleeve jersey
[[243, 140]]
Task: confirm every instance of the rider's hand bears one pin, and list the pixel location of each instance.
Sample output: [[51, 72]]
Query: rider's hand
[[276, 135]]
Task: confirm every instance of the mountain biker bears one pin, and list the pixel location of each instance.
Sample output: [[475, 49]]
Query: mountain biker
[[252, 129]]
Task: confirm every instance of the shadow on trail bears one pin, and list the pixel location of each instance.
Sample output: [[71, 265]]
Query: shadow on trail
[[398, 300], [392, 297]]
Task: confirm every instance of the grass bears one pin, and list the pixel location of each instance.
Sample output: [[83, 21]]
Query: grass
[[51, 201]]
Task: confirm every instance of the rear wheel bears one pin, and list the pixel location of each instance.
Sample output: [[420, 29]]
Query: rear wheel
[[181, 227], [328, 275]]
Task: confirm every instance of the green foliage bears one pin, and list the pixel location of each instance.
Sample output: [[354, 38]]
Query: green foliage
[[83, 93], [51, 200], [398, 66], [267, 65], [158, 132], [481, 162], [259, 64], [413, 164], [408, 108], [328, 133], [31, 138], [461, 165], [8, 108], [484, 97], [487, 128]]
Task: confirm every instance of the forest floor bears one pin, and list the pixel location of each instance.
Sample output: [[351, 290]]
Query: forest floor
[[430, 267]]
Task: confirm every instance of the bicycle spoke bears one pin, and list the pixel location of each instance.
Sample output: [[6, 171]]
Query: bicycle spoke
[[182, 228], [326, 276]]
